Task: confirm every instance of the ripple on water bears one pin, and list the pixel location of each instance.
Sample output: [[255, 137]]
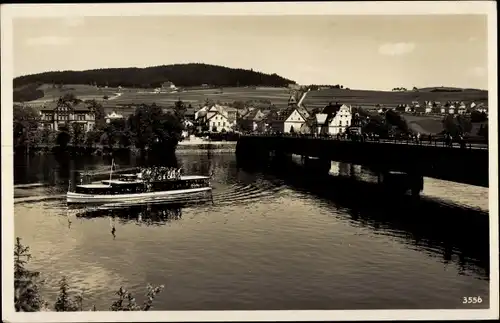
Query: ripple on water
[[263, 244]]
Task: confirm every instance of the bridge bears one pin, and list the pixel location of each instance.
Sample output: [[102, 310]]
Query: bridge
[[463, 164]]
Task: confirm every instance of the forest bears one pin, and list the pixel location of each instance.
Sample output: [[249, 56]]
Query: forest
[[184, 75]]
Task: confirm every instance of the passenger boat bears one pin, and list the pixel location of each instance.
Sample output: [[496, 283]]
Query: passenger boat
[[135, 187]]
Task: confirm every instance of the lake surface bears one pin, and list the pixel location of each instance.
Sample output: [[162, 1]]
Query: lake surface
[[264, 243]]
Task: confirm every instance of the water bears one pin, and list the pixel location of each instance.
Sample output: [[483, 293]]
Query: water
[[266, 242]]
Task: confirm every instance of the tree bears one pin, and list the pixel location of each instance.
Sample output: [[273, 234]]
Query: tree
[[78, 137], [397, 120], [464, 124], [150, 126], [477, 116], [180, 109], [415, 89], [27, 296], [25, 124], [64, 302], [450, 126], [92, 137], [26, 283], [292, 129], [214, 128], [99, 113]]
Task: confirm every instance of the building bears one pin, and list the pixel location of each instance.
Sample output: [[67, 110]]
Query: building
[[290, 120], [216, 118], [253, 121], [451, 109], [462, 108], [57, 115], [113, 116], [168, 86], [339, 118]]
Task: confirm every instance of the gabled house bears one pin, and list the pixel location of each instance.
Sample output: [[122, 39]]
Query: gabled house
[[462, 109], [218, 122], [253, 121], [56, 115], [215, 118], [289, 120], [333, 119], [451, 109]]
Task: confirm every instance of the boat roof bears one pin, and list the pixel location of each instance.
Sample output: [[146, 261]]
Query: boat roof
[[193, 177], [93, 186], [117, 181], [128, 182]]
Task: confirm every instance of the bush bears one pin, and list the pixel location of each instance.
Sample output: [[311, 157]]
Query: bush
[[27, 297]]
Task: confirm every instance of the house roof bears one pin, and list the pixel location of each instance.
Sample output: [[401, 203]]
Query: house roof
[[216, 114], [79, 107]]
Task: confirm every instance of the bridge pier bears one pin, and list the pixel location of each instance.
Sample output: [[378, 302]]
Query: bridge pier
[[401, 182]]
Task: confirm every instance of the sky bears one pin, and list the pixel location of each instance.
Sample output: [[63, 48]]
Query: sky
[[359, 52]]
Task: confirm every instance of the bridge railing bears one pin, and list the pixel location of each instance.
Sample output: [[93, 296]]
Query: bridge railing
[[439, 141]]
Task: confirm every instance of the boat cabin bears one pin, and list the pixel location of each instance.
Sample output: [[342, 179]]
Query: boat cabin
[[130, 184]]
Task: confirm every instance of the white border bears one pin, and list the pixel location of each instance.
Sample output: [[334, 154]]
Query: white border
[[305, 8]]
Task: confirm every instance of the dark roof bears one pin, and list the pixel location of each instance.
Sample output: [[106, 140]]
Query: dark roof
[[79, 107], [331, 109]]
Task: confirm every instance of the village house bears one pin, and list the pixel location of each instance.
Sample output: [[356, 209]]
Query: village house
[[333, 119], [113, 116], [168, 86], [57, 115], [290, 120], [216, 118], [462, 109], [451, 109], [254, 120]]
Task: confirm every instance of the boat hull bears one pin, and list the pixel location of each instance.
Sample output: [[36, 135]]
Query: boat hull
[[174, 195]]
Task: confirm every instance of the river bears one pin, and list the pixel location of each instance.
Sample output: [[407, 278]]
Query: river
[[264, 243]]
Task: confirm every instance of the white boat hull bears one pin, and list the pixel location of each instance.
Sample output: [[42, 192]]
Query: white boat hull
[[74, 198]]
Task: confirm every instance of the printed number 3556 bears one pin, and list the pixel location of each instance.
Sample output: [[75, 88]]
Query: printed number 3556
[[472, 300]]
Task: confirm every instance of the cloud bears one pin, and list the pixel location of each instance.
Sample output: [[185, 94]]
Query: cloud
[[48, 41], [74, 21], [477, 71], [394, 49]]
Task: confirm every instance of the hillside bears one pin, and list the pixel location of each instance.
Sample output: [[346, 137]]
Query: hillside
[[184, 75], [371, 98]]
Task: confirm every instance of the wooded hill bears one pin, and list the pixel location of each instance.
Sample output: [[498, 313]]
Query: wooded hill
[[184, 75]]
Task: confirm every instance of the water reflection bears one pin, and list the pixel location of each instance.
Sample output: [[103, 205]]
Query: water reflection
[[454, 233], [149, 214]]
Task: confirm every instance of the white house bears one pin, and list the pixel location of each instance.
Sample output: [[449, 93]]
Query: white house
[[215, 117], [288, 120], [451, 109], [218, 122], [462, 109], [113, 116], [333, 120], [339, 118]]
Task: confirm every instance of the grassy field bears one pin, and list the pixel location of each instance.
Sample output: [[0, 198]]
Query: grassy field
[[424, 124], [370, 98], [279, 97]]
